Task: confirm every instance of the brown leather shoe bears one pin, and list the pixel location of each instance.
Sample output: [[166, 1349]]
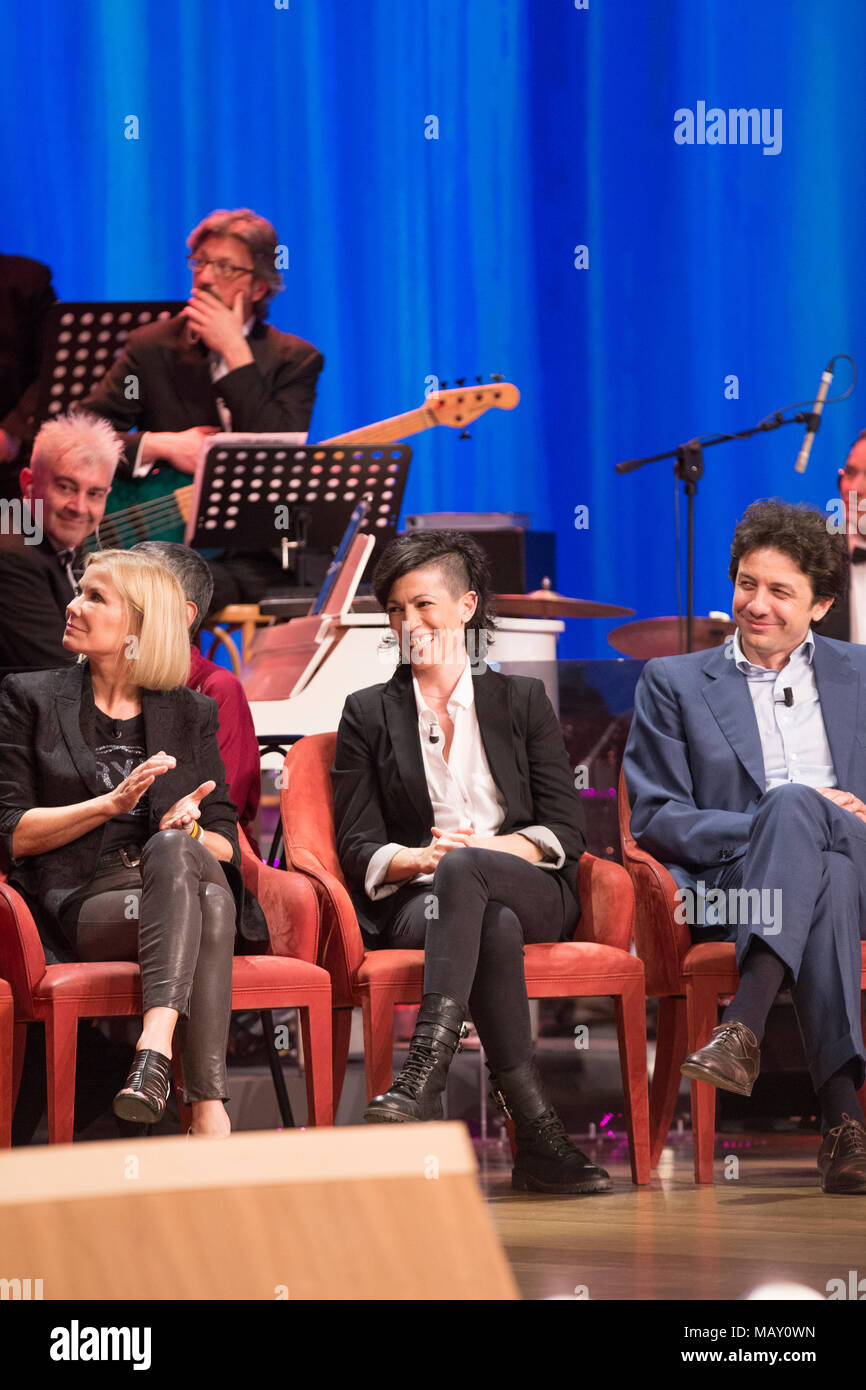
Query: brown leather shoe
[[730, 1060], [842, 1158]]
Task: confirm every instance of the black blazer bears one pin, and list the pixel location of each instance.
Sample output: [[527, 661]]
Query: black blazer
[[380, 790], [837, 623], [34, 593], [47, 736], [173, 389]]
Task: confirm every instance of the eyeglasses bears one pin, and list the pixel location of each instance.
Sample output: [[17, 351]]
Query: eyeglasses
[[223, 270]]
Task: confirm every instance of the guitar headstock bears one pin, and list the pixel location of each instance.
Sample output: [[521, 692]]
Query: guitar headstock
[[459, 406]]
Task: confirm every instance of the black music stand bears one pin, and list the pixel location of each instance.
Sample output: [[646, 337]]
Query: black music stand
[[82, 342], [264, 491]]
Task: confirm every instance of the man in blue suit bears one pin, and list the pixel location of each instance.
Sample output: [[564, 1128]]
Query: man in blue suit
[[746, 769]]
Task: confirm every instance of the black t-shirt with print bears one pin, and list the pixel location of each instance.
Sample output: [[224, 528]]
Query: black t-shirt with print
[[119, 750]]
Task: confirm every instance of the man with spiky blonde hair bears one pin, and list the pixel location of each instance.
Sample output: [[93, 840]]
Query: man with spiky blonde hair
[[64, 489]]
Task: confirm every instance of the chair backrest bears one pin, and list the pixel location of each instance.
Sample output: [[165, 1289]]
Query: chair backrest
[[22, 959], [307, 809], [606, 903], [660, 940]]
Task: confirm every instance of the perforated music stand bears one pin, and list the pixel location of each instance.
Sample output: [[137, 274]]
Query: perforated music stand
[[82, 342], [253, 490]]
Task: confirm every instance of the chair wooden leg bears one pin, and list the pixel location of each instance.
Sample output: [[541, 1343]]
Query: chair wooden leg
[[7, 1084], [671, 1049], [61, 1047], [630, 1009], [702, 1007], [378, 1013], [341, 1022], [315, 1020]]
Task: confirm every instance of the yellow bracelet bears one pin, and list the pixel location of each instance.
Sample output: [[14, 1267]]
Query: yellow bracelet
[[194, 830]]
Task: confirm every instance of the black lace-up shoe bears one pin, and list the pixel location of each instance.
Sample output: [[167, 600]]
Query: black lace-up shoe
[[416, 1094], [546, 1159]]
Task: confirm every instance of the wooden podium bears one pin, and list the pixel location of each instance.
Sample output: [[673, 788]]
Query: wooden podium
[[367, 1212]]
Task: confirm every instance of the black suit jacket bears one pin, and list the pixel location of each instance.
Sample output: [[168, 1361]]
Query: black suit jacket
[[380, 790], [837, 623], [171, 388], [47, 737], [34, 593]]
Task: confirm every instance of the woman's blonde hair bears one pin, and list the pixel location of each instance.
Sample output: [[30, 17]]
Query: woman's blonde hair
[[156, 648]]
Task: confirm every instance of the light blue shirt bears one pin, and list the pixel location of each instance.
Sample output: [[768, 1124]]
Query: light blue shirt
[[793, 737]]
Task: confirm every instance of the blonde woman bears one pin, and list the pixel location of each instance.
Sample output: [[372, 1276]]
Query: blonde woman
[[117, 827]]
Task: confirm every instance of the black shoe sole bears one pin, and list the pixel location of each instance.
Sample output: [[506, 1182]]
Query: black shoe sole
[[523, 1182], [136, 1110], [695, 1072]]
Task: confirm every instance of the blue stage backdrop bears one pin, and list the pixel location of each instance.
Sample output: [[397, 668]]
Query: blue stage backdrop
[[433, 168]]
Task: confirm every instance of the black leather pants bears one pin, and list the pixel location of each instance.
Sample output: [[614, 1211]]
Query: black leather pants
[[174, 914]]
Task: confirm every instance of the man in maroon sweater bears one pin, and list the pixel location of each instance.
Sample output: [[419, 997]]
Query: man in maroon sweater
[[236, 734]]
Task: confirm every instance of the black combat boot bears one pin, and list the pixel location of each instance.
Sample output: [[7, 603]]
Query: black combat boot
[[416, 1094], [546, 1159]]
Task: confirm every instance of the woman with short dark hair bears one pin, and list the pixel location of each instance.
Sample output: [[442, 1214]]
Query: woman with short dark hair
[[459, 830]]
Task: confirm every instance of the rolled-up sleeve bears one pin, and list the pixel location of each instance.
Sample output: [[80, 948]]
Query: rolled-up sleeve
[[546, 841]]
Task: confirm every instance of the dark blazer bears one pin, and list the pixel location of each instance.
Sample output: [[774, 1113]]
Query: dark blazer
[[693, 762], [47, 737], [34, 593], [380, 790], [172, 388], [837, 622]]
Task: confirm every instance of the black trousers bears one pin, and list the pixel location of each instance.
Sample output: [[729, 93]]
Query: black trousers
[[472, 923], [175, 914]]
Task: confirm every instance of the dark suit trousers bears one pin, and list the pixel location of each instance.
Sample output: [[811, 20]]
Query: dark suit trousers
[[472, 922], [807, 858], [175, 915]]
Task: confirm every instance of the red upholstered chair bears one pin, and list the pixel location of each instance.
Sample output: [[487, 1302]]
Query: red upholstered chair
[[597, 962], [59, 995], [7, 1013], [687, 980]]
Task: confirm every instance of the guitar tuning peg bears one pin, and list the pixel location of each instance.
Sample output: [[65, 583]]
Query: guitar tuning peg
[[496, 376], [460, 380], [443, 385], [465, 435], [479, 380]]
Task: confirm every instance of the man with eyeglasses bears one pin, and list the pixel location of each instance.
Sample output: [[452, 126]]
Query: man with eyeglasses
[[217, 365]]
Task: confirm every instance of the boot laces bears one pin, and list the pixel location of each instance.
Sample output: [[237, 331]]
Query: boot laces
[[550, 1129], [415, 1070]]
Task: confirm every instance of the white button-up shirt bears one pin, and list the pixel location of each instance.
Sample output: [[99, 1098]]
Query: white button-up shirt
[[793, 737], [462, 790]]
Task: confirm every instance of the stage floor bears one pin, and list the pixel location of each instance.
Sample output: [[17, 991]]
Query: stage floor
[[673, 1240]]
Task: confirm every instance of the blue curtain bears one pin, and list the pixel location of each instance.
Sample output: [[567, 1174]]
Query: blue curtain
[[412, 257]]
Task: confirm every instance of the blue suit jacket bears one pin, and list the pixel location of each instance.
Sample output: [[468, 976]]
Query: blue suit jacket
[[693, 761]]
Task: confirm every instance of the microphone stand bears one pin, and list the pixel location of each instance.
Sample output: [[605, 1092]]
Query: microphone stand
[[689, 469]]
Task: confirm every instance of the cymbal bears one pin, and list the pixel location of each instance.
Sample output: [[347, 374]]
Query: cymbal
[[546, 603], [667, 636]]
